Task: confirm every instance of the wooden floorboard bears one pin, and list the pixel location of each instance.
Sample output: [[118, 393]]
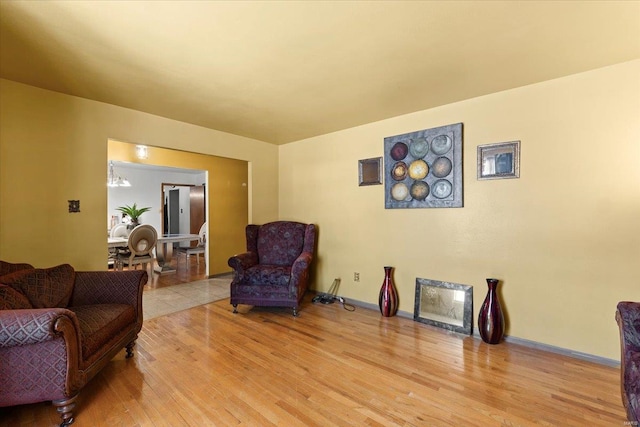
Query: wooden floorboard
[[183, 272], [329, 367]]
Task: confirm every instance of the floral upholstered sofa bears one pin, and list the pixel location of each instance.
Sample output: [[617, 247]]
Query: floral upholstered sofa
[[628, 318], [59, 328]]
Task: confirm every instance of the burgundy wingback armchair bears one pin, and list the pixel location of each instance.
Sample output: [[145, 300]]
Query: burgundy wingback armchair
[[628, 318], [275, 269], [59, 328]]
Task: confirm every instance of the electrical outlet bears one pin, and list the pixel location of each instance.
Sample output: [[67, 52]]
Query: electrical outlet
[[356, 277]]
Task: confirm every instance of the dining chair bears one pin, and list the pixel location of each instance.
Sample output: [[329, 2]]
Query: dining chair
[[141, 242], [119, 230], [196, 250]]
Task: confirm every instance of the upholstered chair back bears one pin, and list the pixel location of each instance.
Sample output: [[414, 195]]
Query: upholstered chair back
[[278, 243], [142, 240]]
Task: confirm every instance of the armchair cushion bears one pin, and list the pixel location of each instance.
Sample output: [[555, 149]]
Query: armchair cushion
[[274, 275], [44, 287], [101, 323], [10, 299]]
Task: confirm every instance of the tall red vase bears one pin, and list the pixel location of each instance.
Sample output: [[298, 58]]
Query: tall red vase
[[388, 299], [490, 318]]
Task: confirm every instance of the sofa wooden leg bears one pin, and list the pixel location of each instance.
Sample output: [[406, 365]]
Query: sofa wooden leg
[[295, 312], [65, 409], [235, 308], [130, 349]]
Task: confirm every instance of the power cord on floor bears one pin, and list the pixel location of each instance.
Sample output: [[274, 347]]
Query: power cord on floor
[[331, 296], [346, 305], [330, 299]]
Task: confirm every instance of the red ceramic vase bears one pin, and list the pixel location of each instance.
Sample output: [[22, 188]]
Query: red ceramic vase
[[388, 299], [490, 318]]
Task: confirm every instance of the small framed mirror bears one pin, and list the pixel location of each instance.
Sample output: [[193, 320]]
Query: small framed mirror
[[445, 305], [370, 171], [498, 161]]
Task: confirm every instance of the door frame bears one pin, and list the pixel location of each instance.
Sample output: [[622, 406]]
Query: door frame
[[162, 201]]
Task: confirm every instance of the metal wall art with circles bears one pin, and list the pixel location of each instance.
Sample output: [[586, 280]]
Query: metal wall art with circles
[[423, 169]]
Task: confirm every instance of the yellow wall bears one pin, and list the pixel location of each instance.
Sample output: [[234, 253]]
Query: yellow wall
[[53, 148], [564, 238], [227, 195]]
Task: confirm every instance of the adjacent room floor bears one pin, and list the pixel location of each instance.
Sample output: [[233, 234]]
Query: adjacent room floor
[[185, 288], [169, 299]]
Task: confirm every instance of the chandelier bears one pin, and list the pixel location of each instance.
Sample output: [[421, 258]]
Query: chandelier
[[114, 180]]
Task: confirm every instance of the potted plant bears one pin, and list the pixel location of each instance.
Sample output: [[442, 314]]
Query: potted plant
[[133, 212]]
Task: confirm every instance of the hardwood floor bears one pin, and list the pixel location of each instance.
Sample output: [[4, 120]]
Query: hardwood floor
[[194, 272], [329, 367]]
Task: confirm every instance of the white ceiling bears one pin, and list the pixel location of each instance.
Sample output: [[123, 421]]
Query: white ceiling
[[280, 71]]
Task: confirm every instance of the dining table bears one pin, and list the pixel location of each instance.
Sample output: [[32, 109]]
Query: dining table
[[164, 248]]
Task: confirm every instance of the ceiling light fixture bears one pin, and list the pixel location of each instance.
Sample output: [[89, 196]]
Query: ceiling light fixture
[[114, 180], [142, 152]]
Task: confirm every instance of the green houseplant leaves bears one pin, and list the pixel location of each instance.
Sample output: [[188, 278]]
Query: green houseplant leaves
[[133, 212]]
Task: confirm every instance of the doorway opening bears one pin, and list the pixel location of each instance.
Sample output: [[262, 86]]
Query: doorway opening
[[184, 208], [227, 188]]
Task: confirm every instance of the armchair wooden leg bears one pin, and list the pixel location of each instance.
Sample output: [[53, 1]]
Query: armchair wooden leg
[[65, 409], [235, 308], [295, 312], [130, 349]]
